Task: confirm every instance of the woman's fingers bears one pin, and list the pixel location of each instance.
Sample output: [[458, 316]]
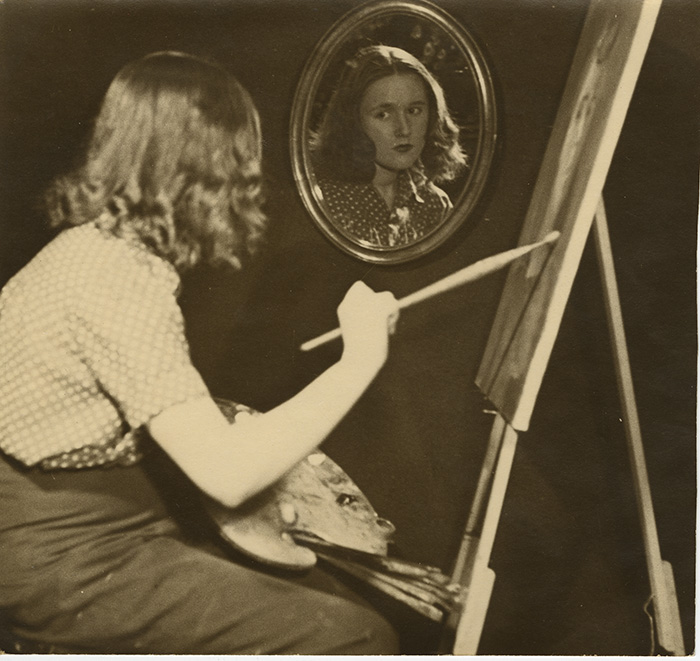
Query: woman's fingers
[[364, 302], [367, 318]]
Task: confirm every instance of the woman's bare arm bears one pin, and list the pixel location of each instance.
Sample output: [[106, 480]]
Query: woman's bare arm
[[233, 462]]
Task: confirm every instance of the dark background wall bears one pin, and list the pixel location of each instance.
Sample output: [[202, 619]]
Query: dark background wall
[[569, 561]]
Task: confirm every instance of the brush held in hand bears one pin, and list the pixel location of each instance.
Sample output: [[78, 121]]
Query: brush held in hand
[[468, 274]]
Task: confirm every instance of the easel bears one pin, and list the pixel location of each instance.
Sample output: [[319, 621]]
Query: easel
[[471, 567], [567, 198]]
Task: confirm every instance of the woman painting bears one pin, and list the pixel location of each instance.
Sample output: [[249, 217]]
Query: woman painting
[[93, 351], [384, 142]]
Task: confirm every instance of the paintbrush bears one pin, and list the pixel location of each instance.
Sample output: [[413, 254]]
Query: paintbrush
[[468, 274]]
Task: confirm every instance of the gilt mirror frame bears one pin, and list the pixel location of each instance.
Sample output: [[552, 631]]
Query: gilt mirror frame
[[481, 134]]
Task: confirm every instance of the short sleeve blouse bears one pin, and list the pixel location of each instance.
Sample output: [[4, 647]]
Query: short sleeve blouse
[[92, 345]]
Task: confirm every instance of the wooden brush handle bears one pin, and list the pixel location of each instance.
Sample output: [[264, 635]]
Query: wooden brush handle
[[470, 273]]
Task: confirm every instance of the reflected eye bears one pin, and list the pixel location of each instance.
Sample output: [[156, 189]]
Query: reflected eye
[[382, 114], [416, 110]]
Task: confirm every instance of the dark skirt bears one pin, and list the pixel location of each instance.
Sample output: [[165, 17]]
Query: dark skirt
[[92, 561]]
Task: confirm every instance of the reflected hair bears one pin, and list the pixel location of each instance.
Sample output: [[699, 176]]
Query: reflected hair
[[342, 150], [174, 161]]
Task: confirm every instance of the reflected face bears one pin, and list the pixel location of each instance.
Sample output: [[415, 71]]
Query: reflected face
[[394, 116]]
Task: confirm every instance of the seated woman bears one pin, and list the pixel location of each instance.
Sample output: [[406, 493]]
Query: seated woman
[[384, 141], [93, 349]]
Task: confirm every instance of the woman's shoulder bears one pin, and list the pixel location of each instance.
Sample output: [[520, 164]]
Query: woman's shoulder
[[68, 251], [336, 192], [58, 278], [86, 263], [426, 191], [435, 195]]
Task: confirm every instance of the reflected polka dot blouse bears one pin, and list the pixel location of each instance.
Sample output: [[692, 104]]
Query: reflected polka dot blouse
[[92, 346], [361, 212]]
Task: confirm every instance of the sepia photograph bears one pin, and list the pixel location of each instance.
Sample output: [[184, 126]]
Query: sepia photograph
[[349, 327]]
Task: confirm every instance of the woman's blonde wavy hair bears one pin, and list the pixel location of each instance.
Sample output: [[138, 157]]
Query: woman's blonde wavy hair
[[174, 158]]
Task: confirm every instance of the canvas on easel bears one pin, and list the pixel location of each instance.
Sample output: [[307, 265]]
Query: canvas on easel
[[611, 49]]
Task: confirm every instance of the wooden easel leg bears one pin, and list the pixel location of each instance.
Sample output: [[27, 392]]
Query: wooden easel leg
[[667, 615], [464, 626]]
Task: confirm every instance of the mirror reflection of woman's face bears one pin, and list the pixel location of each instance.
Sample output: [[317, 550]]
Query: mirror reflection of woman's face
[[394, 116]]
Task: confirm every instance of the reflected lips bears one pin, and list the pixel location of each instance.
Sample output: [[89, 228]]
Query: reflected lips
[[403, 148]]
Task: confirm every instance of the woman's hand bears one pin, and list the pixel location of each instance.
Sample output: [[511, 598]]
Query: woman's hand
[[367, 318]]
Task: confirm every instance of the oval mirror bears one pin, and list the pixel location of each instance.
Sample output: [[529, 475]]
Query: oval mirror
[[393, 130]]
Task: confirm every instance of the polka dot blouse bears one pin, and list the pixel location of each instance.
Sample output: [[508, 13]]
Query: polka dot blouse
[[362, 213], [92, 346]]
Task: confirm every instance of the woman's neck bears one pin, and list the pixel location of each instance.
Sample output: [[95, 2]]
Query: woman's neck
[[385, 183]]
